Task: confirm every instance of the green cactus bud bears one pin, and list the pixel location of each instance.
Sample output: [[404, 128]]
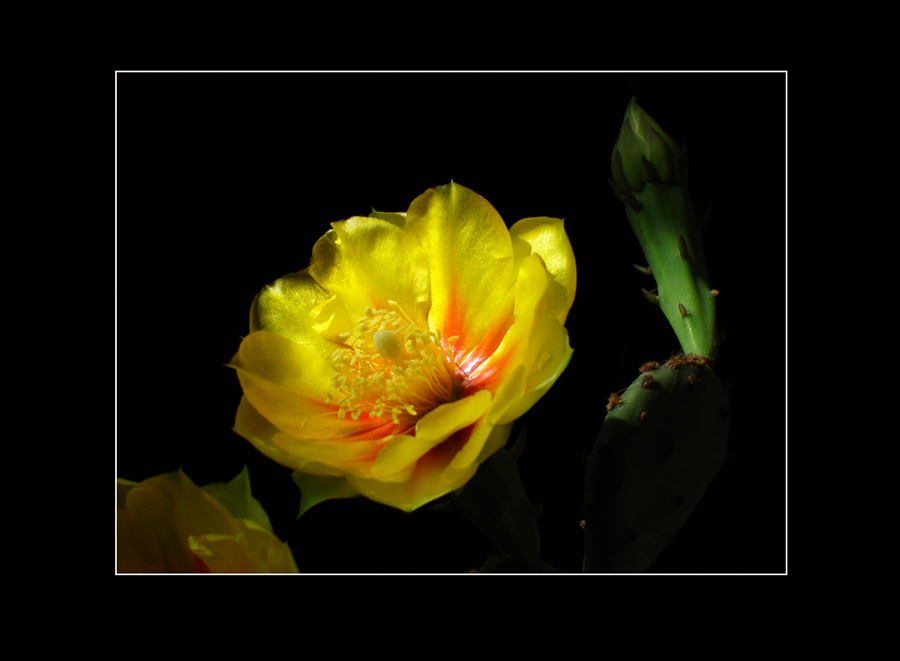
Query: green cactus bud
[[649, 174], [662, 443], [644, 153]]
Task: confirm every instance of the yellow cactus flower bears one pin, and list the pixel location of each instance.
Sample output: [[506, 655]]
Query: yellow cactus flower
[[167, 524], [398, 360]]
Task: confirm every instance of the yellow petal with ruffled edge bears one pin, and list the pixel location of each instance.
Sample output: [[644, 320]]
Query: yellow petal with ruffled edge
[[470, 261], [547, 237], [367, 262], [285, 307]]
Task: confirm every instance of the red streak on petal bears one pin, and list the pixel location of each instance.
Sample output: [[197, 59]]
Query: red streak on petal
[[472, 350], [199, 566], [383, 428], [486, 347], [440, 456], [487, 377], [454, 322]]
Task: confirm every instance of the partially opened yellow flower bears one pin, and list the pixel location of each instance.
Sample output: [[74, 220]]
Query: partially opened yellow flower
[[397, 361], [167, 524]]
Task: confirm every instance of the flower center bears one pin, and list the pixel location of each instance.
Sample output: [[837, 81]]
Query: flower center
[[388, 368]]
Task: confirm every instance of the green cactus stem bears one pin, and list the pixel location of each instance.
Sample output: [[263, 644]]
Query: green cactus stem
[[662, 443], [664, 437], [495, 501], [649, 174]]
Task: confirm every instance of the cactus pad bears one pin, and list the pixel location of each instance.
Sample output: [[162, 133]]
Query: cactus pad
[[662, 443]]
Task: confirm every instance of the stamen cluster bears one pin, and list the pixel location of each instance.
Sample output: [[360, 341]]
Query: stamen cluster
[[388, 368]]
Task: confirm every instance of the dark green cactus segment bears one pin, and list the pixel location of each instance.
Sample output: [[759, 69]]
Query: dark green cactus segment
[[495, 501], [649, 174], [660, 446]]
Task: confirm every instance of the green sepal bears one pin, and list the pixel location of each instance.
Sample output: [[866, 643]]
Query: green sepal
[[664, 160], [238, 499], [315, 489]]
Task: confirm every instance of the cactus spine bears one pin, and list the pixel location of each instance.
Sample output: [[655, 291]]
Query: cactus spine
[[664, 436]]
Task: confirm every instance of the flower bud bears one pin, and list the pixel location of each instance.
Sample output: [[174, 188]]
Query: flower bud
[[167, 524], [644, 153]]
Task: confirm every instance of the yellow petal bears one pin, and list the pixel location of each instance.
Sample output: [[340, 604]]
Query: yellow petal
[[446, 466], [547, 237], [367, 262], [470, 261], [138, 550], [255, 550], [512, 389], [342, 455], [285, 307], [484, 442], [516, 347], [289, 384], [331, 320], [224, 554], [398, 219], [431, 479], [123, 486], [536, 341], [403, 451], [425, 482], [550, 356], [261, 543]]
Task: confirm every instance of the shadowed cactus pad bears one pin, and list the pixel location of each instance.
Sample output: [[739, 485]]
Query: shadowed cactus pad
[[662, 443]]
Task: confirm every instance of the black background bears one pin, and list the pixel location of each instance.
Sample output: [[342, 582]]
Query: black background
[[225, 181]]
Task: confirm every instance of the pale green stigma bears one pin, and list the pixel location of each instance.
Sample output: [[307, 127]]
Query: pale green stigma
[[390, 345]]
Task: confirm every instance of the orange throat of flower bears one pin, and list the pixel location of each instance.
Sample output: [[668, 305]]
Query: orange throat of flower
[[388, 368]]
